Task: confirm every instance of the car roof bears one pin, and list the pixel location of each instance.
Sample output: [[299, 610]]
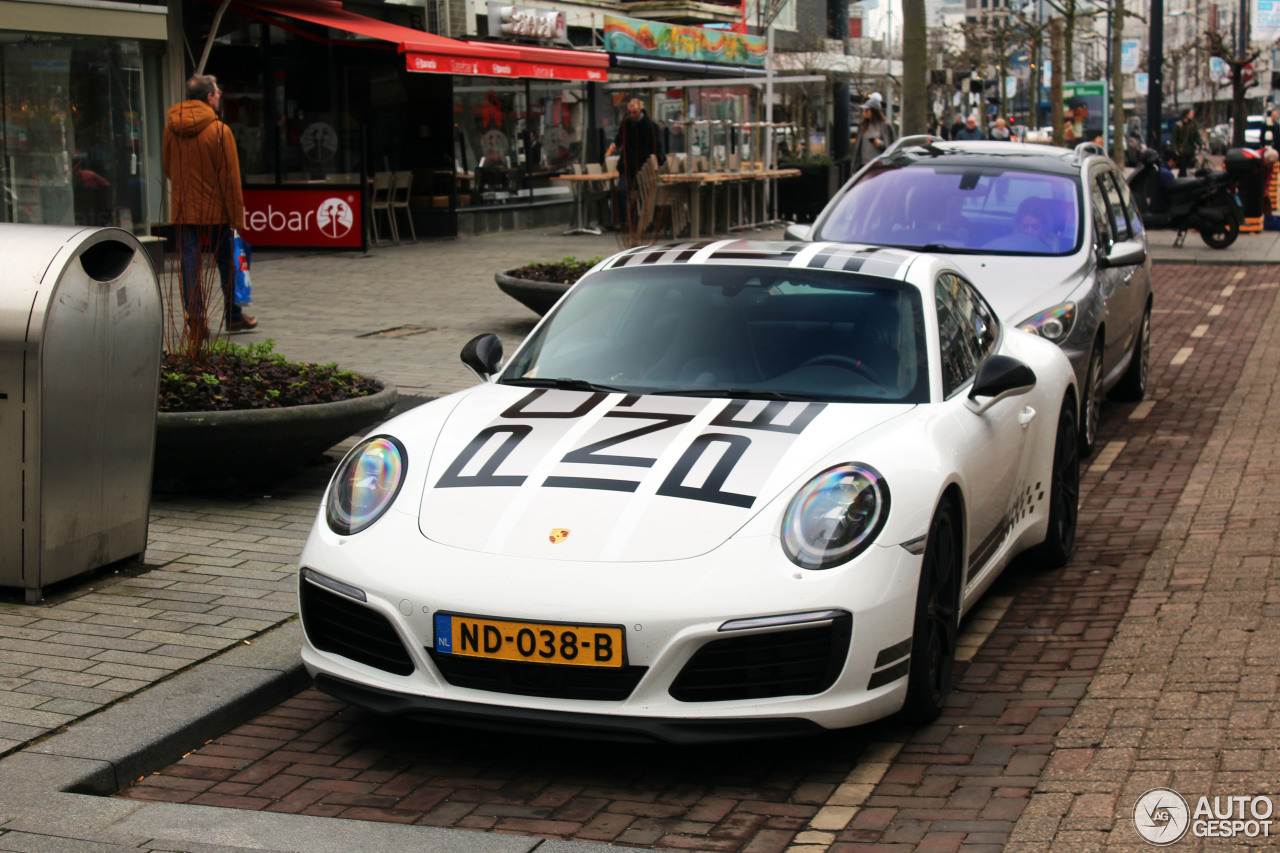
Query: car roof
[[1021, 155], [879, 261]]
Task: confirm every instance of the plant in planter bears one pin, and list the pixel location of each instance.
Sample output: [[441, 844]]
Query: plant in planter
[[538, 285], [241, 416]]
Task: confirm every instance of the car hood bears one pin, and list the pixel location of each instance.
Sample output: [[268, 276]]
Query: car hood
[[1018, 287], [570, 475]]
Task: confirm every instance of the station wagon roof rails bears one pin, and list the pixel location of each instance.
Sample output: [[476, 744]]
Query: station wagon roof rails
[[925, 139]]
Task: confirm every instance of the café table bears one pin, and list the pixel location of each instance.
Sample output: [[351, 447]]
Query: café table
[[579, 184]]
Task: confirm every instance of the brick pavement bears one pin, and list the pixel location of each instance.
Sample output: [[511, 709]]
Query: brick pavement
[[1054, 722]]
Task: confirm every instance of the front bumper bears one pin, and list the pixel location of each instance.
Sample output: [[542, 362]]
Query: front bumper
[[672, 612]]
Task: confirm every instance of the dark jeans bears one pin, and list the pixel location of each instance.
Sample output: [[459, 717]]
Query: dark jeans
[[627, 215], [195, 243]]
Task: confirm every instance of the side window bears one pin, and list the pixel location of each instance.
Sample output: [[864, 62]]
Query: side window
[[967, 331], [1131, 206], [1101, 225], [1117, 213]]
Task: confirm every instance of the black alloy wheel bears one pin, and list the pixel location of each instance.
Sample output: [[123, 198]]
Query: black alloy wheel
[[937, 620], [1064, 491]]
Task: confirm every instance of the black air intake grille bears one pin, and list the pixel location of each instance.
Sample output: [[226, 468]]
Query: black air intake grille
[[607, 684], [340, 626], [798, 662]]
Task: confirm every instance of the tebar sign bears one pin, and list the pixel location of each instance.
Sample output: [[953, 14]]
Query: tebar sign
[[323, 217]]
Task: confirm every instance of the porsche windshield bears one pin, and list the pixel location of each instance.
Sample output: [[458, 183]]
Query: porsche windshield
[[752, 332], [962, 208]]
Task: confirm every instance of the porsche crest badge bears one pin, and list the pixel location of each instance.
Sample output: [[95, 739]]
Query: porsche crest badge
[[559, 535]]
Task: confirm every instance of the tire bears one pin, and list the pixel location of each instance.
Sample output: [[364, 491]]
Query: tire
[[1222, 236], [937, 620], [1132, 387], [1091, 409], [1064, 492]]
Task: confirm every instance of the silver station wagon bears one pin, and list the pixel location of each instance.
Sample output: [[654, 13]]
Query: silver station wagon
[[1050, 236]]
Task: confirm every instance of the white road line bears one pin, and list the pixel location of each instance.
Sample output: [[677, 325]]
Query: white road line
[[1141, 411], [1215, 310], [1181, 356], [1230, 288], [1199, 331], [1107, 456], [847, 799], [979, 626], [1239, 275]]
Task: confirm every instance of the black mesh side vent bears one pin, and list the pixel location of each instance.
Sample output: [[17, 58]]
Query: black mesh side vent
[[797, 662], [608, 684], [340, 626]]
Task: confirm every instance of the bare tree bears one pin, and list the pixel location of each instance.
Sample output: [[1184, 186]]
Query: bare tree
[[1236, 62]]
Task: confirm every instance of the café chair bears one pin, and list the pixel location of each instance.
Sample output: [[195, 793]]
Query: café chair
[[380, 202], [401, 192]]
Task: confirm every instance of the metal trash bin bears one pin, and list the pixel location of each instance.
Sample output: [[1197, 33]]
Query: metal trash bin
[[80, 339]]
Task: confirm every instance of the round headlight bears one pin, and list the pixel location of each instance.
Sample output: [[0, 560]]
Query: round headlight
[[365, 484], [835, 516]]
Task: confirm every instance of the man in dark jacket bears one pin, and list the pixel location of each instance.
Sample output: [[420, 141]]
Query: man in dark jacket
[[205, 203], [636, 141]]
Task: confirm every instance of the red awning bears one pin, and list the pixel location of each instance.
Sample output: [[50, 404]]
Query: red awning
[[432, 53]]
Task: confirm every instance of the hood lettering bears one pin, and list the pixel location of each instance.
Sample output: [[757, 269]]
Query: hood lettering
[[725, 460]]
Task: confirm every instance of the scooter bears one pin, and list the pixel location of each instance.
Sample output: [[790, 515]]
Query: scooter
[[1207, 203]]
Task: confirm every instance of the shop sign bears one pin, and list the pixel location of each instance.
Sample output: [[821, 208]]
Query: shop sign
[[638, 37], [527, 22], [320, 217], [439, 64]]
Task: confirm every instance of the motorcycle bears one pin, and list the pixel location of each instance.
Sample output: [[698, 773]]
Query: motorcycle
[[1207, 203]]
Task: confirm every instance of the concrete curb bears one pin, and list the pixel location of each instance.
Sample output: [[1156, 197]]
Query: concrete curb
[[61, 786]]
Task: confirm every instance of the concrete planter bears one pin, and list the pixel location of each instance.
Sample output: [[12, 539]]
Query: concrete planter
[[254, 447], [537, 296]]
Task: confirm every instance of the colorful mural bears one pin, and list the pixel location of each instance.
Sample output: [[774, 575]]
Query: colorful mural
[[672, 41]]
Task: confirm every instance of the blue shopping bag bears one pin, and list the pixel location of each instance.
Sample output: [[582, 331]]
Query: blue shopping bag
[[240, 254]]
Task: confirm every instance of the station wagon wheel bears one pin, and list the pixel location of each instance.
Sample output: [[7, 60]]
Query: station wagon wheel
[[937, 620], [1064, 491], [1133, 385], [1091, 414]]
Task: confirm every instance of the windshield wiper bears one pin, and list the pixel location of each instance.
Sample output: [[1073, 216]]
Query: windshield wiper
[[951, 250], [744, 394], [564, 384]]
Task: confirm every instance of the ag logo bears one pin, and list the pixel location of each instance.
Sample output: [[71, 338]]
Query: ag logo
[[558, 535], [334, 217], [1161, 816]]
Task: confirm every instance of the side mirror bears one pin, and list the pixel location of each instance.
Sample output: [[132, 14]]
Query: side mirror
[[998, 377], [1126, 253], [482, 355], [799, 233]]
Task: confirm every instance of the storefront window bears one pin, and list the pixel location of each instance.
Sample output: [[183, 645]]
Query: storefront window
[[513, 134], [71, 132]]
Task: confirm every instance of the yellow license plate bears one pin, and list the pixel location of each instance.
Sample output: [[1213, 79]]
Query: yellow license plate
[[533, 642]]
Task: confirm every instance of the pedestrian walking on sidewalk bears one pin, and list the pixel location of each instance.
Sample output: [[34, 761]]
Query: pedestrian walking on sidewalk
[[1186, 140], [636, 141], [874, 134], [199, 157]]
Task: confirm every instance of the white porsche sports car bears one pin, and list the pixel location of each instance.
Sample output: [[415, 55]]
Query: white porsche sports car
[[723, 490]]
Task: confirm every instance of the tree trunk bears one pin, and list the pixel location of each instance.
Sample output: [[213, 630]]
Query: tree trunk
[[915, 69], [1055, 85], [1117, 84]]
